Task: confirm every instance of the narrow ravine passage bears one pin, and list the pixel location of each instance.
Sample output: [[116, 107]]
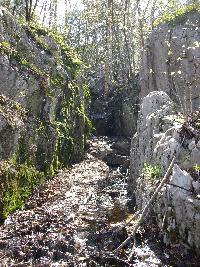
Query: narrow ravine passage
[[124, 71], [79, 217]]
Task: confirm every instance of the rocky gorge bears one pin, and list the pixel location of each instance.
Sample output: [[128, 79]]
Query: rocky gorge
[[66, 200]]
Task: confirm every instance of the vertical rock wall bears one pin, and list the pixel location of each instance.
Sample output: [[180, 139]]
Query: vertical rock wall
[[170, 83], [43, 123], [162, 134], [171, 61]]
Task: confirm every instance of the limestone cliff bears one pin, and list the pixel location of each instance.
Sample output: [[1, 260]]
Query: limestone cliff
[[171, 61], [43, 123], [168, 126], [161, 135]]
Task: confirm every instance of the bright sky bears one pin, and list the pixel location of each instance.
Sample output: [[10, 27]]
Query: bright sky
[[79, 5], [61, 9], [72, 3]]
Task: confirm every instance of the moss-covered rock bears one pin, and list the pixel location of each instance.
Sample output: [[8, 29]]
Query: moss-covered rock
[[43, 102], [177, 16]]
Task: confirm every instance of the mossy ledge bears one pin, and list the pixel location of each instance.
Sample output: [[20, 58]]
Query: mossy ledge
[[177, 16], [43, 117]]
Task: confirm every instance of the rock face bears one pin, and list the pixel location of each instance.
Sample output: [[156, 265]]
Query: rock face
[[42, 108], [152, 126], [114, 113], [125, 109], [171, 61], [161, 134]]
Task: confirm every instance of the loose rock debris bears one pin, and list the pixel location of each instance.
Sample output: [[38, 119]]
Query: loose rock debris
[[78, 219]]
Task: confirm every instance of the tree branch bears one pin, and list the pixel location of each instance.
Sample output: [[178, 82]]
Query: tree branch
[[146, 208]]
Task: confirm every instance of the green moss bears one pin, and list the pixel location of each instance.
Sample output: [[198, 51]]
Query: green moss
[[18, 183], [62, 149], [177, 16], [37, 32], [51, 143], [22, 155], [57, 80], [13, 54], [70, 60], [20, 175], [63, 126], [88, 124]]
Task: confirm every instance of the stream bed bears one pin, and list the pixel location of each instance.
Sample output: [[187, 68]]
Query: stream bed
[[81, 216]]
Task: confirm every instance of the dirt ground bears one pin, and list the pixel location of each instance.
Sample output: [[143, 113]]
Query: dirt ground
[[79, 218]]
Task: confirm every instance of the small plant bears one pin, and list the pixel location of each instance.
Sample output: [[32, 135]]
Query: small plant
[[197, 169], [152, 171]]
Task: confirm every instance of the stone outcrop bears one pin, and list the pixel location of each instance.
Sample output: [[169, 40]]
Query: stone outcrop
[[169, 83], [161, 134], [151, 127], [42, 108], [171, 61]]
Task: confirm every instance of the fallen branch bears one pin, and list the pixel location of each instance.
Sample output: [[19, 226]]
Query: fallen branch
[[146, 209], [135, 215]]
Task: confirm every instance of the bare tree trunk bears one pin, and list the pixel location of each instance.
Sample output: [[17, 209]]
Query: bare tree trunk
[[126, 13]]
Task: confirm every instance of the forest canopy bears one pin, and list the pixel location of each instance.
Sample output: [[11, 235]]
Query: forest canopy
[[107, 34]]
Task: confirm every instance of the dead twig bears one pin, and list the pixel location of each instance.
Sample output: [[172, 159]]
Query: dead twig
[[135, 215], [146, 209]]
